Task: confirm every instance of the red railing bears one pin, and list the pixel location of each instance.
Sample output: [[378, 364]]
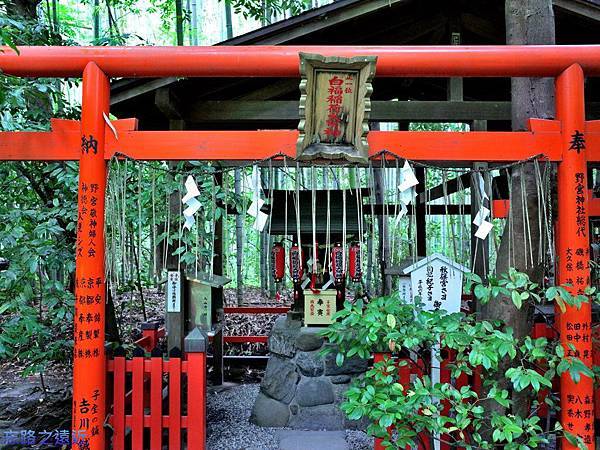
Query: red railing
[[137, 401]]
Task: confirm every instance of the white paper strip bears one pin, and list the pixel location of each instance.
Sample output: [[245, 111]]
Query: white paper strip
[[305, 283], [482, 214], [261, 221], [329, 283], [256, 183], [482, 186], [191, 189], [193, 206], [189, 222], [408, 177], [483, 230], [255, 206]]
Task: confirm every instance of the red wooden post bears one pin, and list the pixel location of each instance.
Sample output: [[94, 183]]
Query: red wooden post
[[156, 377], [576, 399], [137, 402], [195, 347], [174, 403], [89, 359]]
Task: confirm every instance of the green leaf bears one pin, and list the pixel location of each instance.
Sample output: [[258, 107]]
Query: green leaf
[[516, 299], [391, 321]]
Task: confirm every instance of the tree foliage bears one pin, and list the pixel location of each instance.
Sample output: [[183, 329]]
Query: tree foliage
[[423, 410]]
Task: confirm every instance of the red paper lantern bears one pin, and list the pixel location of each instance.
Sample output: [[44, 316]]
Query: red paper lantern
[[354, 267], [296, 269], [278, 262], [337, 263]]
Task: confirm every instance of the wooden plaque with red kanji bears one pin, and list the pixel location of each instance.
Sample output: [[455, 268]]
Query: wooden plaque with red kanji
[[334, 107]]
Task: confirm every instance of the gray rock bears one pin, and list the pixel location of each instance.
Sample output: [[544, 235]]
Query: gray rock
[[309, 339], [280, 379], [314, 392], [310, 364], [323, 417], [351, 365], [269, 413], [283, 336], [340, 379]]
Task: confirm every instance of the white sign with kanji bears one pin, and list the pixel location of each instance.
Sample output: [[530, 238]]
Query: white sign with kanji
[[437, 281], [174, 291]]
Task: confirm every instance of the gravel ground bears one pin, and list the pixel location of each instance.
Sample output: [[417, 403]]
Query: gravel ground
[[358, 440], [228, 411], [228, 427]]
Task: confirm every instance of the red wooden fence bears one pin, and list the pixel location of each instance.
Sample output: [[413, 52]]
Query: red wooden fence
[[139, 422]]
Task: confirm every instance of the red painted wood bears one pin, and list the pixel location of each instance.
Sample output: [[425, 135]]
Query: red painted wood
[[282, 61], [252, 145], [573, 234], [156, 403], [118, 419], [89, 355], [137, 403], [596, 357], [196, 399], [175, 404]]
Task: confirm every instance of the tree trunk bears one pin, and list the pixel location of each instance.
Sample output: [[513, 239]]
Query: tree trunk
[[239, 238], [527, 22], [179, 21]]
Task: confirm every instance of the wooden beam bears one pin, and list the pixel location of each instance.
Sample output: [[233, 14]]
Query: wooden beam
[[166, 101], [382, 111], [144, 88], [275, 89], [452, 186], [580, 8]]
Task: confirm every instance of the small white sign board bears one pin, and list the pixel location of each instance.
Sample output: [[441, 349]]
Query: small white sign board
[[405, 288], [174, 291], [437, 280]]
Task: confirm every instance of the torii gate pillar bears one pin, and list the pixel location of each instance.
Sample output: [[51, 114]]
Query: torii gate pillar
[[575, 325], [89, 359]]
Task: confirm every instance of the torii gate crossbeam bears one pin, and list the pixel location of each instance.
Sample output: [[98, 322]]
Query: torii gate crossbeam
[[92, 142]]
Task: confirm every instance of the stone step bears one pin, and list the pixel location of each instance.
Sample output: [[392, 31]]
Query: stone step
[[312, 440]]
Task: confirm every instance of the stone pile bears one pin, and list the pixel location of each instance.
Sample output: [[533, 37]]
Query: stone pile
[[302, 389]]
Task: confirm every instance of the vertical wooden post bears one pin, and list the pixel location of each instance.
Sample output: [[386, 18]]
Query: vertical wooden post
[[195, 350], [576, 399], [89, 359]]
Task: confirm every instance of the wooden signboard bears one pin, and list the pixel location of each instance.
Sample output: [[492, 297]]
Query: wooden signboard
[[334, 107], [319, 308], [437, 280]]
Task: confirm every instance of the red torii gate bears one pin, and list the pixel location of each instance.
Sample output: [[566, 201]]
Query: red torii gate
[[92, 143]]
